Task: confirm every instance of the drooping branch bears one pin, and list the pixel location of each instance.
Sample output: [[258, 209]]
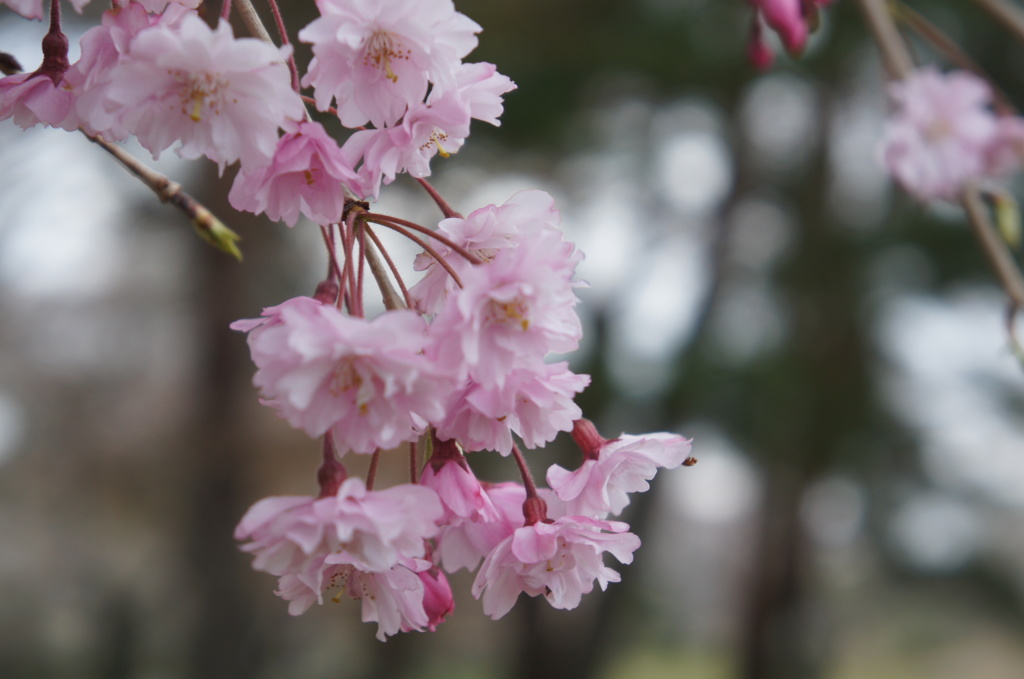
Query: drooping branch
[[209, 228]]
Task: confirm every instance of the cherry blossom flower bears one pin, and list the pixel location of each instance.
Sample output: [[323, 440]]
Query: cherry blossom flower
[[219, 96], [481, 87], [90, 77], [464, 544], [33, 98], [613, 469], [371, 530], [424, 131], [306, 175], [483, 232], [536, 402], [449, 475], [940, 135], [513, 309], [367, 382], [33, 9], [560, 560], [157, 6], [376, 57], [438, 602], [394, 598]]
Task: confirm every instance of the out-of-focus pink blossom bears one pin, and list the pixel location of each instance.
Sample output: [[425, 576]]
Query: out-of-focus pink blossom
[[371, 530], [940, 134], [560, 560], [33, 9], [376, 57], [218, 96], [306, 175], [366, 381], [786, 17], [157, 6], [601, 485]]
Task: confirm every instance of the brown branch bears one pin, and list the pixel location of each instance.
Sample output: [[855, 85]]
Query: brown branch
[[1008, 14], [209, 228]]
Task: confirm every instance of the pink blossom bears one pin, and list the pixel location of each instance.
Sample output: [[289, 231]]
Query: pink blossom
[[512, 310], [219, 96], [33, 9], [759, 53], [484, 232], [481, 87], [560, 560], [30, 9], [371, 530], [89, 78], [940, 135], [157, 6], [376, 57], [366, 381], [618, 467], [461, 494], [535, 402], [463, 545], [30, 99], [393, 598], [424, 131], [438, 602], [306, 175], [1006, 152], [786, 17]]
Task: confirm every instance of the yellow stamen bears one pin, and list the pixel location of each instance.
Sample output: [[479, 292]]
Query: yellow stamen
[[197, 107]]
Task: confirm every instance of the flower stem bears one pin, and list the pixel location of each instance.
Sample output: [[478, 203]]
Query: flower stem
[[441, 202], [429, 232], [942, 42], [283, 32], [1011, 16], [387, 290], [897, 59]]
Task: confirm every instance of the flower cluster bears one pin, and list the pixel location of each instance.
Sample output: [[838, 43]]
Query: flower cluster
[[459, 363]]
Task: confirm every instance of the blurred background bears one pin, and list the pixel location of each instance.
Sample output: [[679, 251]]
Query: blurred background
[[836, 351]]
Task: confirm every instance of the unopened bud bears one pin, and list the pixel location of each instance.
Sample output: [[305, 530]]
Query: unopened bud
[[1008, 219], [326, 292], [214, 232]]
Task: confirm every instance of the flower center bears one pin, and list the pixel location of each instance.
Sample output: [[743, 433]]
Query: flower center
[[436, 137], [938, 129], [515, 311], [380, 49], [196, 88], [347, 377]]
